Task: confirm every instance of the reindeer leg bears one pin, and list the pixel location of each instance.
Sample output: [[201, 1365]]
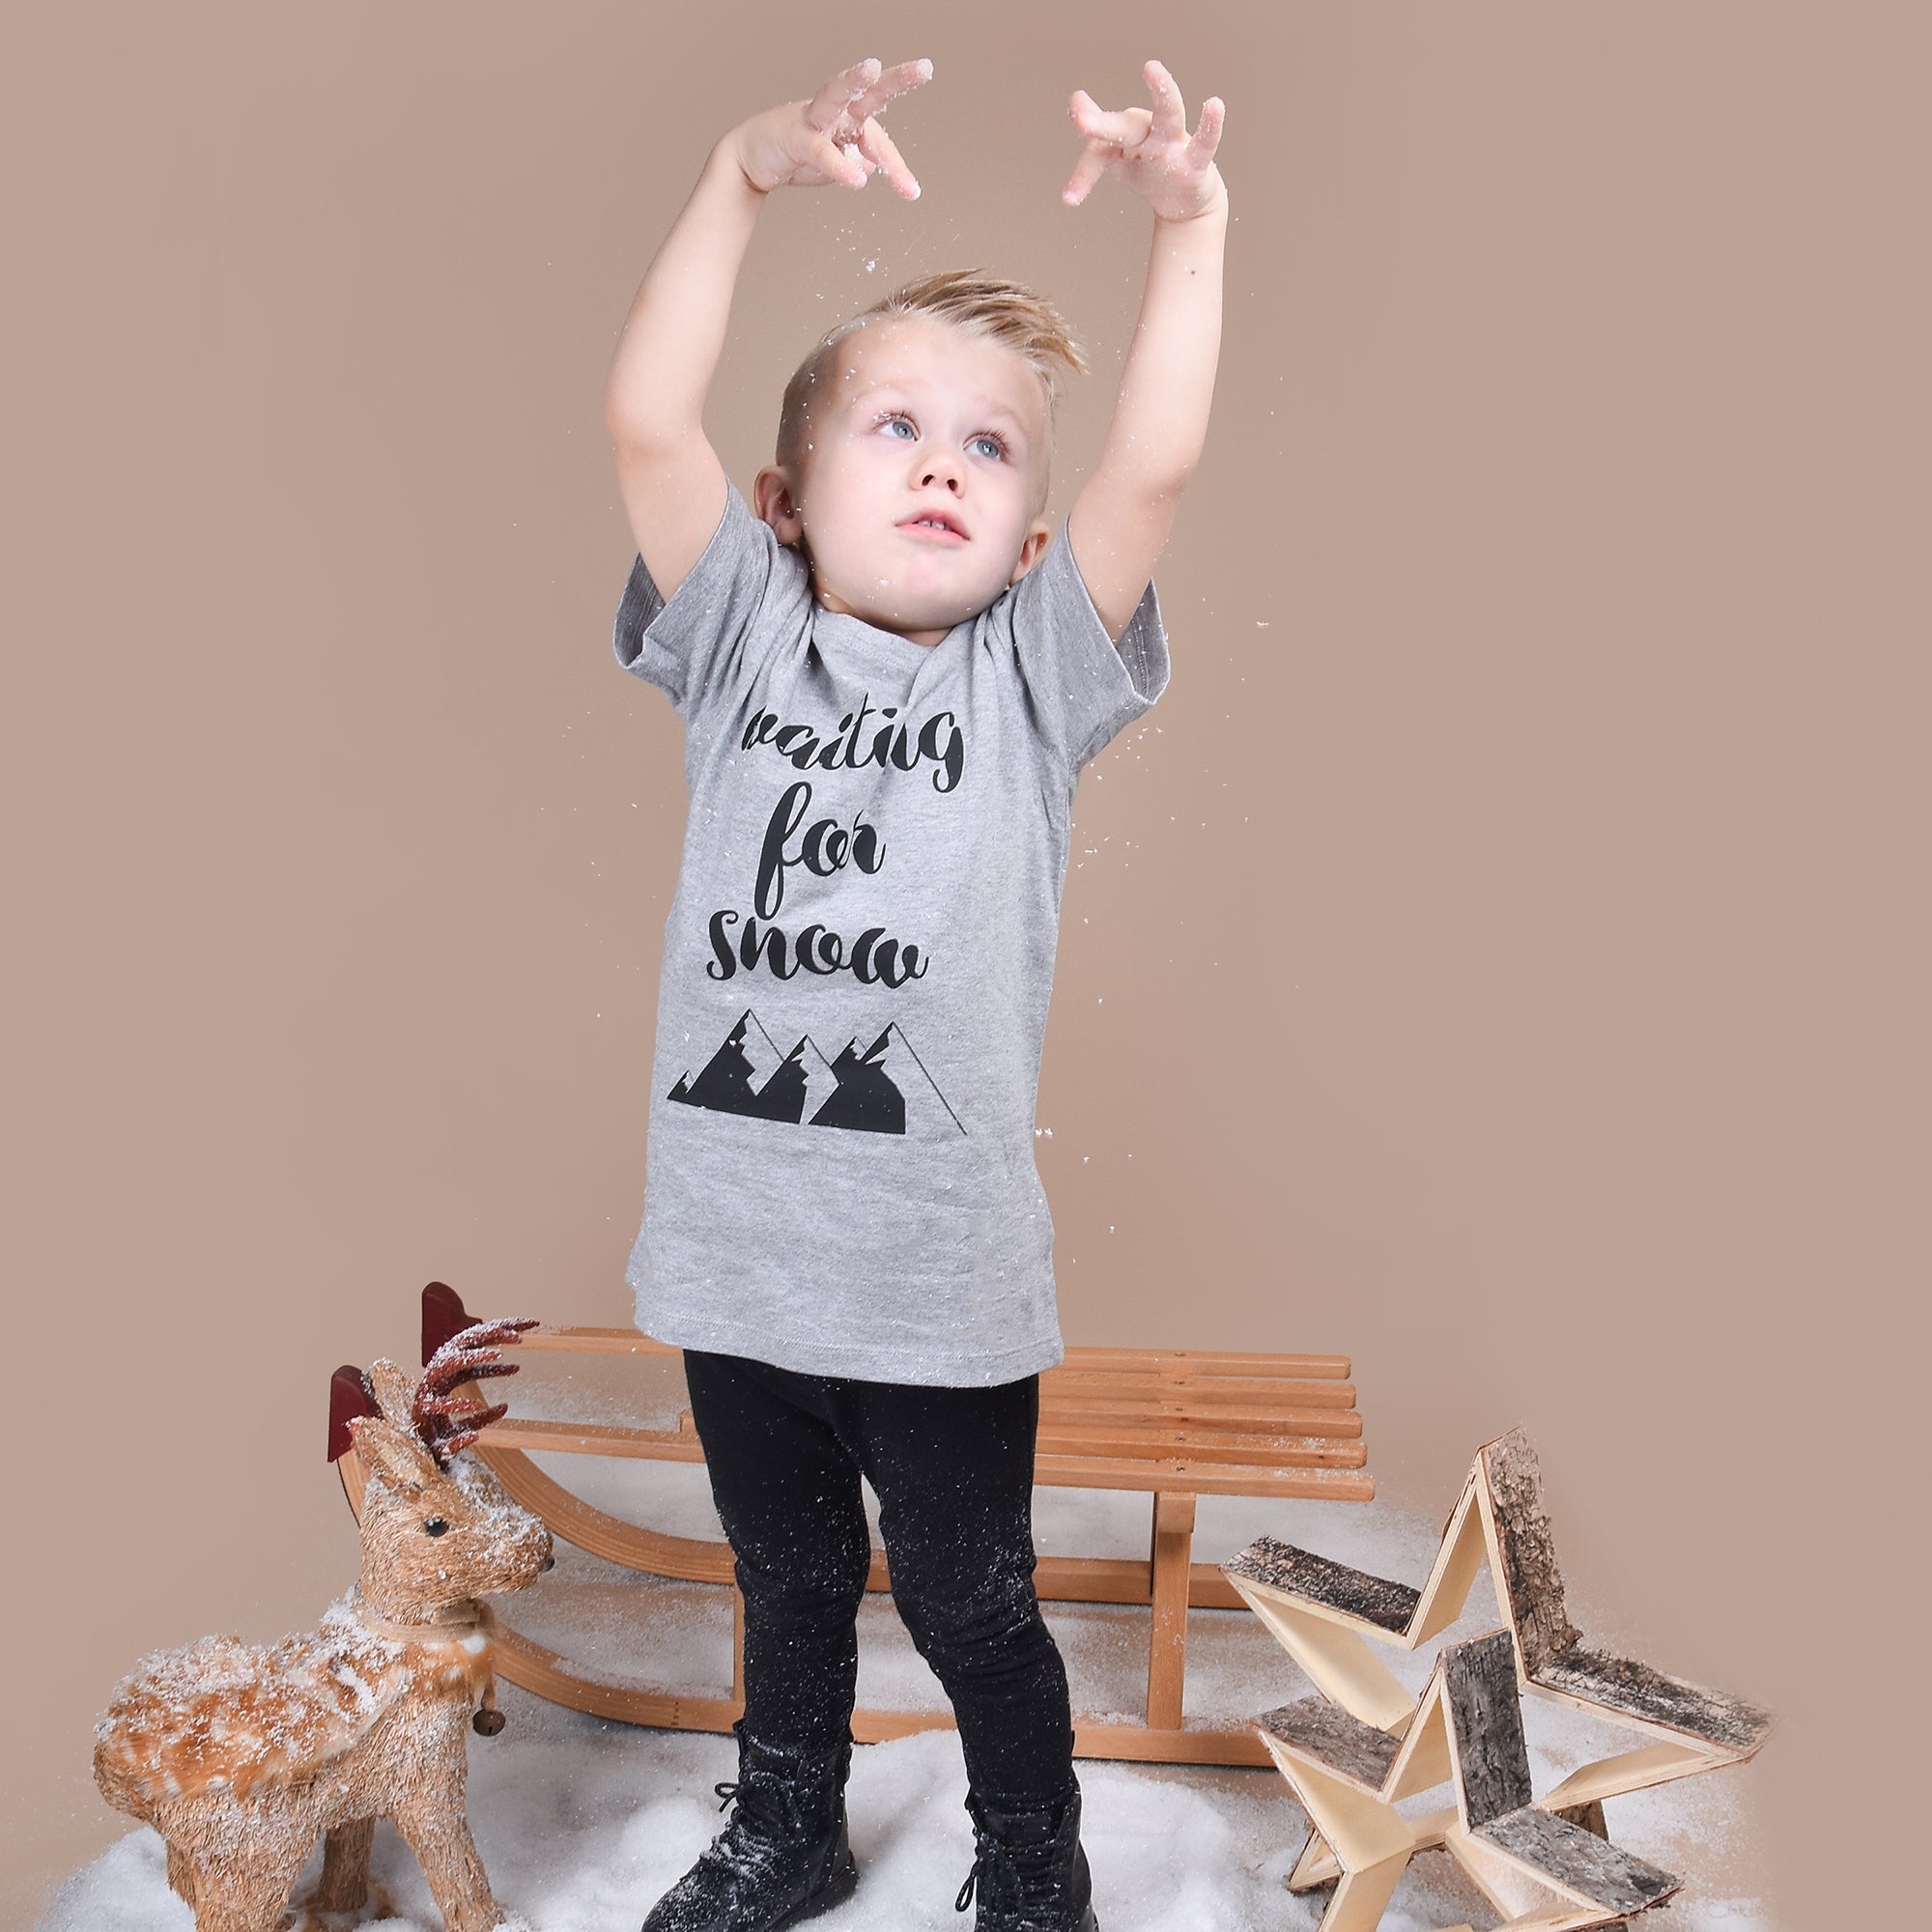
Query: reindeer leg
[[439, 1835], [180, 1874], [246, 1894], [344, 1885]]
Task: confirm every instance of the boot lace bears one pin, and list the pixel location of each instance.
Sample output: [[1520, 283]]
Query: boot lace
[[966, 1890], [764, 1818], [1019, 1877]]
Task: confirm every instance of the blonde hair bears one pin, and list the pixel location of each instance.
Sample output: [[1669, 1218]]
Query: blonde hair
[[969, 300]]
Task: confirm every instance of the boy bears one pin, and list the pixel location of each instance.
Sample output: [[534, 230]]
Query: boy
[[889, 679]]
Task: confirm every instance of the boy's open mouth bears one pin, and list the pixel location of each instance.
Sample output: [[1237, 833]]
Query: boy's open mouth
[[935, 524]]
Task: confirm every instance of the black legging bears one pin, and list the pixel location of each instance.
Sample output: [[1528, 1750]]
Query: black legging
[[952, 1470]]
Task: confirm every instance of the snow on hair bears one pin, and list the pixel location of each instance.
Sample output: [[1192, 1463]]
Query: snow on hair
[[969, 300]]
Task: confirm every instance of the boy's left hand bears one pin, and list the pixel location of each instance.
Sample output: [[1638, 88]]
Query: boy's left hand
[[1151, 151]]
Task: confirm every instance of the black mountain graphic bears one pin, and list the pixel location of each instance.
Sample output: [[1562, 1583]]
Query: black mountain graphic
[[865, 1096], [803, 1075], [732, 1076], [883, 1090]]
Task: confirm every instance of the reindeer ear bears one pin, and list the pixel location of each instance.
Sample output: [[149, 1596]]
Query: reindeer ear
[[398, 1457], [393, 1389]]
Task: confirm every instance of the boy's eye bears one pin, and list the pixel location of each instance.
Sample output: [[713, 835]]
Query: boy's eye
[[893, 425], [989, 445]]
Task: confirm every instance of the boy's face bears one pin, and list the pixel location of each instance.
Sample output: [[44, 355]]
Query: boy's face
[[924, 423]]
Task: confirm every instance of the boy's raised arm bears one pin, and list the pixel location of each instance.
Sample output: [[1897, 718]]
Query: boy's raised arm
[[673, 483], [1121, 517]]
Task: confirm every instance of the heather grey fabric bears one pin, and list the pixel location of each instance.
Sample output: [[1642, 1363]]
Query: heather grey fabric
[[839, 1177]]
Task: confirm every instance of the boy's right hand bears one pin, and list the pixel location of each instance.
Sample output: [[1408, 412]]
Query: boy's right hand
[[674, 487], [835, 136]]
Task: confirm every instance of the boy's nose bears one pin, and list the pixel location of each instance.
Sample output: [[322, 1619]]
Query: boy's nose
[[939, 469]]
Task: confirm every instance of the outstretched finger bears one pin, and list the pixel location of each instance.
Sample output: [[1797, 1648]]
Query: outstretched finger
[[877, 146], [1125, 128], [839, 91], [1207, 134], [1087, 170], [890, 85], [1169, 115], [844, 165]]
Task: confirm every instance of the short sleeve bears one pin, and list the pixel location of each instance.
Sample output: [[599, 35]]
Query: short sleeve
[[738, 599], [1084, 687]]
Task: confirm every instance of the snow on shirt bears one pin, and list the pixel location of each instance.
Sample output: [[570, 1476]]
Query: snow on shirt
[[839, 1176]]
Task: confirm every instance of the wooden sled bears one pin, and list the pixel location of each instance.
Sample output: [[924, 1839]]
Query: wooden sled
[[1176, 1424]]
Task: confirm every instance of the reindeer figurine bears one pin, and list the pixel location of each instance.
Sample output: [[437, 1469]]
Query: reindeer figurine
[[241, 1757]]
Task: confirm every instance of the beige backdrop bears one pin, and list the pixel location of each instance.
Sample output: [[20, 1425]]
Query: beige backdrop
[[1501, 956]]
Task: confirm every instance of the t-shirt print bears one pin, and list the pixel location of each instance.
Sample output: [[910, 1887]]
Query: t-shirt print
[[864, 1092], [863, 1086], [858, 960]]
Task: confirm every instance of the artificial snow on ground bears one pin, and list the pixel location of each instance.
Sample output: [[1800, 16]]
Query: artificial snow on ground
[[581, 1823]]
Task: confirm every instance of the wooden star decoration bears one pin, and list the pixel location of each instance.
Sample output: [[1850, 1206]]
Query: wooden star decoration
[[1353, 1752]]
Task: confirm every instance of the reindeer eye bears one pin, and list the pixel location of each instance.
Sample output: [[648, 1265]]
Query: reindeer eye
[[435, 1527]]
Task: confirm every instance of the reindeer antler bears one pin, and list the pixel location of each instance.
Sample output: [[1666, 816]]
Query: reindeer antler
[[448, 1423]]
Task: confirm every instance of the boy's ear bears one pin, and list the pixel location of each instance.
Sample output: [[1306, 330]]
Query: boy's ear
[[1032, 550], [771, 498]]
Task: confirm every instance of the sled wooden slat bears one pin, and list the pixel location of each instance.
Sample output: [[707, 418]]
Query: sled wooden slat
[[1152, 1466], [596, 1439], [1110, 1461], [593, 1342], [1204, 1425], [1062, 1388], [1173, 1424], [1312, 1452], [1174, 1476], [1207, 1396], [1203, 1362]]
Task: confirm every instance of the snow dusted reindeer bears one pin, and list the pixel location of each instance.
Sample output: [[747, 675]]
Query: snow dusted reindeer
[[241, 1757]]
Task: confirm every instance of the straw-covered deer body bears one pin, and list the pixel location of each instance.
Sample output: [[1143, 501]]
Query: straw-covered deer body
[[242, 1756]]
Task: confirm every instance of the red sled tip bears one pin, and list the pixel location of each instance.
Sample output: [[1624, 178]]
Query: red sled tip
[[349, 1397], [443, 1314]]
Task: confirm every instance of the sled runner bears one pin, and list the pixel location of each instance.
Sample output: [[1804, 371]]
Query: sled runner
[[1173, 1424]]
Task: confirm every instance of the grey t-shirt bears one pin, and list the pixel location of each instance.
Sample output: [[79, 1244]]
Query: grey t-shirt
[[839, 1177]]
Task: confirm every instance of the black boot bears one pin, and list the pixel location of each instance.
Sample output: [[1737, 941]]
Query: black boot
[[1029, 1871], [784, 1857]]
